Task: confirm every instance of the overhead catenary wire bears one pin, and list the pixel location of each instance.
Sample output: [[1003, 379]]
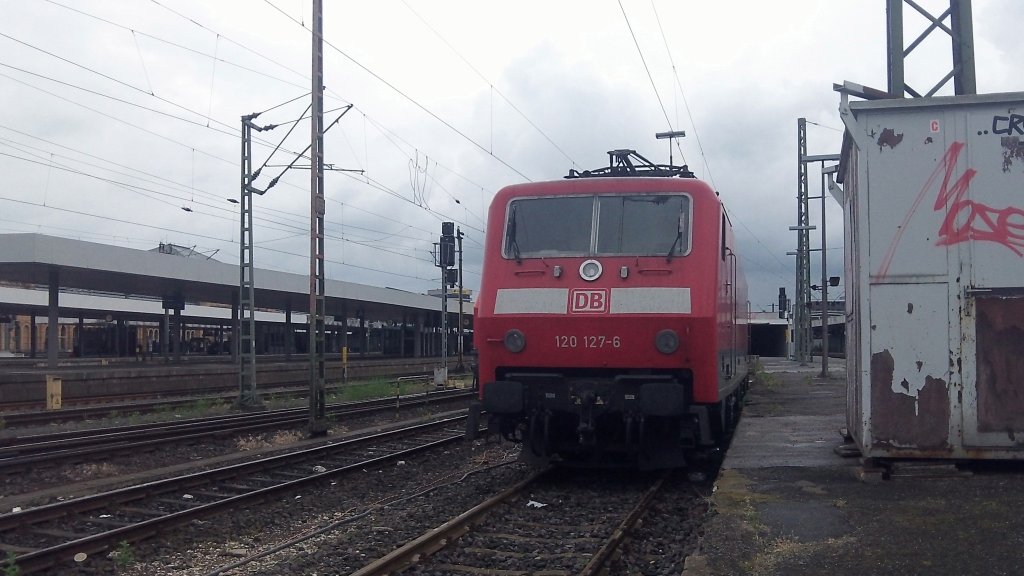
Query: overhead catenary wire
[[149, 193], [700, 146], [654, 86], [152, 195], [410, 99], [220, 35], [298, 219], [148, 89], [493, 89], [686, 105], [125, 121]]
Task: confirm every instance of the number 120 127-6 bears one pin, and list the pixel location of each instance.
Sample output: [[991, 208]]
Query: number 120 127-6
[[588, 342]]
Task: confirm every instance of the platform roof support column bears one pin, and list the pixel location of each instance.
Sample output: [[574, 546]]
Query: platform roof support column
[[289, 333], [235, 327], [33, 336], [53, 332], [165, 334], [117, 338], [401, 337], [363, 334], [344, 324], [417, 335], [176, 335]]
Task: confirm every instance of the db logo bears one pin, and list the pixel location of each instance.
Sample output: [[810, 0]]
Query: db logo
[[592, 301]]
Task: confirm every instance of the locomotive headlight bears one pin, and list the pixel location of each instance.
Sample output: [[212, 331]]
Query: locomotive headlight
[[590, 270], [515, 341], [667, 341]]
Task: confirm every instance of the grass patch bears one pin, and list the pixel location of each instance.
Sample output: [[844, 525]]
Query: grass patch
[[378, 388], [763, 378]]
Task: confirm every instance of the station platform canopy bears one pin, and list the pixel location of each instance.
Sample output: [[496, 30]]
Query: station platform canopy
[[35, 261]]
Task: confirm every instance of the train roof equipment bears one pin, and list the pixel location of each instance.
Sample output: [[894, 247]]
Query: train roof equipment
[[627, 163]]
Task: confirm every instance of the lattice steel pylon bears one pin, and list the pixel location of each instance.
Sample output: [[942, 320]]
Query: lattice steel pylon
[[801, 313], [960, 30], [318, 424], [248, 398]]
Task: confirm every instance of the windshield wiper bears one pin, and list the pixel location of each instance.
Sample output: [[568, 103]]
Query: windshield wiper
[[512, 243], [678, 240]]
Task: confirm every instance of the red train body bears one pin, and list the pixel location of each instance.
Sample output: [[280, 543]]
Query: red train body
[[611, 322]]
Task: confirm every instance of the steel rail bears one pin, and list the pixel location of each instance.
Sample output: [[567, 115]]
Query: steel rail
[[81, 408], [441, 536], [601, 557], [426, 436], [32, 443], [450, 531]]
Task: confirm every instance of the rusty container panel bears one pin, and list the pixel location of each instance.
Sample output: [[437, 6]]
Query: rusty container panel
[[1000, 368], [909, 396], [934, 217], [994, 408]]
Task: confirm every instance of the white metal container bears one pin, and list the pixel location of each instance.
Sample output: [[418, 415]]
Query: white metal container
[[934, 214]]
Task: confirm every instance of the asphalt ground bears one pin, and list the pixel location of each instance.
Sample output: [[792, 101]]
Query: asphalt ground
[[788, 504]]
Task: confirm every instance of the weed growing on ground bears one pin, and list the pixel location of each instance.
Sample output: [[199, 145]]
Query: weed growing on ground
[[202, 405], [10, 565], [763, 378], [123, 555], [283, 437]]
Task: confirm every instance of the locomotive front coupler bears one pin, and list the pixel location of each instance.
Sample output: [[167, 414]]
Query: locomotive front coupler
[[586, 401]]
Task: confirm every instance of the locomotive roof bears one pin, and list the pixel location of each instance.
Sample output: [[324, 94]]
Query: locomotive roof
[[617, 185]]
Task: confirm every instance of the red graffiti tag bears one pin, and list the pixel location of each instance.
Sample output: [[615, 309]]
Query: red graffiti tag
[[965, 219], [970, 220]]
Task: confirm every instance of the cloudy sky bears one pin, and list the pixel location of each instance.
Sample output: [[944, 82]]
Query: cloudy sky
[[120, 122]]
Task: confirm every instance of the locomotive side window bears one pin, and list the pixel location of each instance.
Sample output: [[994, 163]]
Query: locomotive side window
[[723, 237], [634, 225]]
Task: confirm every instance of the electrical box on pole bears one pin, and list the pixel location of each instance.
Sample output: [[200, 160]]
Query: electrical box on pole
[[447, 252]]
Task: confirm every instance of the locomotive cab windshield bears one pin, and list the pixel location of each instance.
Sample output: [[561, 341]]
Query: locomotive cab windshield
[[598, 225]]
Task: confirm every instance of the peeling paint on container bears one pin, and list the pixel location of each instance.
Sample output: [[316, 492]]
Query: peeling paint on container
[[934, 230]]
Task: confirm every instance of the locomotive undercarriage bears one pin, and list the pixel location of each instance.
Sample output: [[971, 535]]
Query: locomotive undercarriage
[[644, 420]]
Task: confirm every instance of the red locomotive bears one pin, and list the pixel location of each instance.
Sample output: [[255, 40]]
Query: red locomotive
[[611, 323]]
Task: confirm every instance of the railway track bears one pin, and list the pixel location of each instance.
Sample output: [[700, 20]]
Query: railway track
[[26, 414], [47, 536], [67, 447], [559, 528]]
